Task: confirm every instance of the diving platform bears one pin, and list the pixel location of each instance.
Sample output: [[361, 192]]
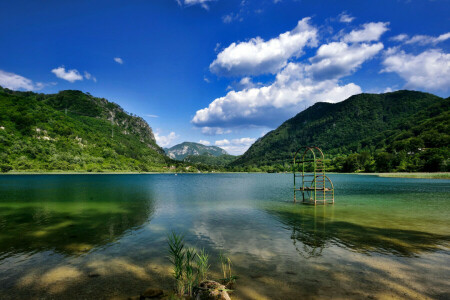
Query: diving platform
[[310, 179]]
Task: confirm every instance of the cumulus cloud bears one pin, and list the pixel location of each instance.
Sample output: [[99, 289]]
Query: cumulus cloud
[[296, 86], [118, 60], [244, 83], [206, 130], [206, 143], [16, 82], [399, 38], [69, 75], [339, 59], [269, 105], [165, 140], [421, 39], [235, 146], [369, 32], [257, 56], [429, 69], [345, 18]]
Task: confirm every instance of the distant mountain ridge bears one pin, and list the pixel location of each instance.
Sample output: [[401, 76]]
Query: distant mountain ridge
[[181, 151], [408, 126]]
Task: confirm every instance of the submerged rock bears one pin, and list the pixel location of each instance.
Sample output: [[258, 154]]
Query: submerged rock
[[151, 293], [211, 290]]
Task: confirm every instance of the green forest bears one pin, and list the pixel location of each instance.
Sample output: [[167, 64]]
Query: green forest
[[73, 131], [403, 131]]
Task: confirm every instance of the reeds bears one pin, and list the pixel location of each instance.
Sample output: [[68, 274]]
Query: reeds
[[202, 265], [189, 267], [177, 257], [225, 262]]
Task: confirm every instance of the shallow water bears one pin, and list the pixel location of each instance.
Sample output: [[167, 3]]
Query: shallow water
[[384, 237]]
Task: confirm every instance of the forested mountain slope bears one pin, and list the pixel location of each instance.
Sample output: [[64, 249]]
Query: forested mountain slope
[[406, 129], [72, 130]]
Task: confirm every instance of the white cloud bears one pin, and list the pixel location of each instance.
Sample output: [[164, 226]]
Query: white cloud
[[222, 142], [399, 38], [232, 17], [165, 140], [369, 32], [339, 59], [235, 146], [428, 40], [243, 84], [259, 57], [202, 3], [70, 75], [296, 86], [429, 69], [345, 18], [16, 82], [206, 143], [89, 76], [269, 105], [118, 60], [151, 116], [214, 130]]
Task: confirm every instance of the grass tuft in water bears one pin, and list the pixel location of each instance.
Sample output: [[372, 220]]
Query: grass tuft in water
[[202, 265], [177, 258], [228, 278], [190, 277], [190, 268]]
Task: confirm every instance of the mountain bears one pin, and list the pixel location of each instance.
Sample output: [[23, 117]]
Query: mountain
[[210, 160], [72, 130], [181, 151], [406, 128]]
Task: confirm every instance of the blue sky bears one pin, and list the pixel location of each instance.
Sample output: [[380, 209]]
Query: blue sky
[[224, 72]]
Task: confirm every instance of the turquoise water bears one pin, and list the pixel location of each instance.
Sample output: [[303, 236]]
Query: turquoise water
[[384, 237]]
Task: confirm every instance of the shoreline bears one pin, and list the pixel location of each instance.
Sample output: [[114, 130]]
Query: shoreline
[[416, 175]]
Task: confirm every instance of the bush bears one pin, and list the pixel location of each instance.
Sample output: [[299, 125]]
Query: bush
[[5, 168]]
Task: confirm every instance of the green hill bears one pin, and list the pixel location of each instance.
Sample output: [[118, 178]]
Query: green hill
[[399, 131], [72, 130], [210, 160], [181, 151]]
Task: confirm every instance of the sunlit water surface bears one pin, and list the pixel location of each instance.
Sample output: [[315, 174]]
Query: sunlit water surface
[[104, 236]]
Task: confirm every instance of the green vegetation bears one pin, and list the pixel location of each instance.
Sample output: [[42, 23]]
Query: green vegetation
[[208, 159], [189, 267], [73, 131], [202, 265], [404, 131]]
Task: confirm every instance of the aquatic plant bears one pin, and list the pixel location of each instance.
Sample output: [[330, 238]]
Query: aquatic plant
[[177, 257], [190, 268], [225, 262], [202, 265], [189, 274]]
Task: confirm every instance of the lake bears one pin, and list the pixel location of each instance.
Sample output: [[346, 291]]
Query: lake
[[104, 236]]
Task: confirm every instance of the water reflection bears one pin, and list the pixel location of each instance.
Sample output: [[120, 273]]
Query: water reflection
[[70, 219], [315, 228]]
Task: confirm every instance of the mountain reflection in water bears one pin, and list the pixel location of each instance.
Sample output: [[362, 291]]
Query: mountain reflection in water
[[53, 214]]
